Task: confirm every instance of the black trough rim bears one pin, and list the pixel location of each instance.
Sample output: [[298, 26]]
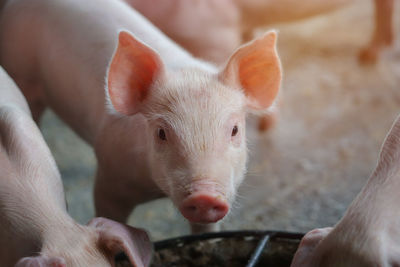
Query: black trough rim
[[264, 236], [164, 244]]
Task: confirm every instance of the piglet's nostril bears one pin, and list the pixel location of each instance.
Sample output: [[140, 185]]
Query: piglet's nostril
[[191, 208], [218, 208]]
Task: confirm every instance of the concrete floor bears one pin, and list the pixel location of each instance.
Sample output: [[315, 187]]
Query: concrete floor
[[303, 173]]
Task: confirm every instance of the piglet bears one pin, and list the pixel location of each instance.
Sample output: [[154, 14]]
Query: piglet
[[165, 123], [211, 29], [369, 232], [256, 13], [35, 228]]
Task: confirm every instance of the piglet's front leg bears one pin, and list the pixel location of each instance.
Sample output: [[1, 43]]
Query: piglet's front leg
[[117, 193], [369, 232], [383, 33], [114, 199]]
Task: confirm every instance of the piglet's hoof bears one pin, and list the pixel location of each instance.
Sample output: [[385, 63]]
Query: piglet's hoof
[[368, 56], [266, 122]]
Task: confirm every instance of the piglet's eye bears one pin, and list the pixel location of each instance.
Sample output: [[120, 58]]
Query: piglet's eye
[[235, 130], [161, 134]]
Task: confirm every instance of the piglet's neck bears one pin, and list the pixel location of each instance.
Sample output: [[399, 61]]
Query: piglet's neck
[[378, 201], [63, 233], [376, 207], [58, 231], [35, 216]]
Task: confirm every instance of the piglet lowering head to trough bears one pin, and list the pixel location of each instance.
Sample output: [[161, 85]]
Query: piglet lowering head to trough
[[35, 229]]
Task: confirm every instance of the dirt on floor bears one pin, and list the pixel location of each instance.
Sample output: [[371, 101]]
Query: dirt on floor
[[302, 174]]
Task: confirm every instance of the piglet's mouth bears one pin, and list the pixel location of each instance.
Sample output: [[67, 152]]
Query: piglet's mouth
[[204, 208]]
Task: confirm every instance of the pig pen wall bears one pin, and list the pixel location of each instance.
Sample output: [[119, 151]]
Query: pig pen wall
[[303, 173]]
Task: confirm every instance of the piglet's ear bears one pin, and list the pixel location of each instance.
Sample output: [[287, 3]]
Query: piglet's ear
[[133, 69], [41, 261], [117, 237], [255, 67]]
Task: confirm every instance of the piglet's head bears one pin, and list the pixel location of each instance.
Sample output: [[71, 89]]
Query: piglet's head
[[196, 118], [94, 245]]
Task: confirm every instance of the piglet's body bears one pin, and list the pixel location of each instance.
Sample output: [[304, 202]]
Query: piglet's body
[[211, 29], [167, 124], [368, 234], [34, 223]]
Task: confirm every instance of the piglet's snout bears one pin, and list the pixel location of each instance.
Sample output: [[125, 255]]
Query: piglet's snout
[[203, 207]]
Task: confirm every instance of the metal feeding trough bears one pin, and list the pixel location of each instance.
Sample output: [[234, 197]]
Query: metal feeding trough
[[236, 248]]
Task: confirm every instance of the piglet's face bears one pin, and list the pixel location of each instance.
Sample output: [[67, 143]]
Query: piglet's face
[[196, 119], [197, 129]]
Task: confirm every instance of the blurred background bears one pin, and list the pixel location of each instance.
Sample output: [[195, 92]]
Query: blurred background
[[303, 173]]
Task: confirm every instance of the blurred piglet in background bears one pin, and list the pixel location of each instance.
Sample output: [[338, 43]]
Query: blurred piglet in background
[[172, 125], [212, 29], [33, 217], [369, 232]]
